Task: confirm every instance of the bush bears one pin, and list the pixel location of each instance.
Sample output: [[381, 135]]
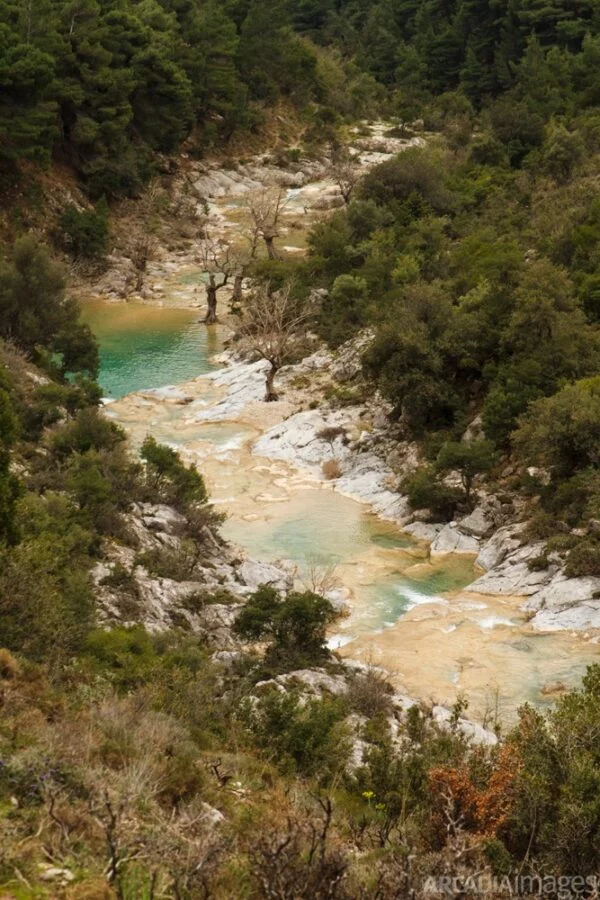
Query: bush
[[36, 316], [170, 478], [563, 431], [303, 737], [86, 231], [469, 459], [370, 694], [425, 491], [177, 564], [9, 666], [584, 559], [296, 626], [89, 430], [331, 469], [412, 182]]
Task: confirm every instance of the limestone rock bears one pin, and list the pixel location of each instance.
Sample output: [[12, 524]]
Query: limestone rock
[[500, 545], [315, 682], [474, 732], [580, 617], [474, 431], [513, 575], [423, 531], [451, 540], [477, 523], [161, 518], [254, 573], [562, 592]]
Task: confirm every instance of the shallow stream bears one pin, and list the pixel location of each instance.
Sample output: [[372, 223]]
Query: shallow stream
[[408, 614]]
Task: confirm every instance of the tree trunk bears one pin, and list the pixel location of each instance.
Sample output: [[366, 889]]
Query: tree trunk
[[270, 242], [271, 396], [238, 289], [211, 299]]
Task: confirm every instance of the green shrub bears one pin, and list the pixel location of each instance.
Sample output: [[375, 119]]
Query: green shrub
[[177, 564], [584, 559], [167, 475], [89, 430], [469, 459], [424, 490], [308, 738], [295, 625], [86, 231], [538, 563]]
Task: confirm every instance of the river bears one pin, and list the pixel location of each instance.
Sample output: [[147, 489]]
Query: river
[[408, 614]]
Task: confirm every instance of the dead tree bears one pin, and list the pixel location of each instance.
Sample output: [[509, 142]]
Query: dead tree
[[345, 172], [219, 261], [270, 324], [142, 246], [141, 252], [265, 208]]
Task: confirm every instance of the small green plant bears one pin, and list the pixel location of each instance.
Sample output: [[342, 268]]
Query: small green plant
[[538, 563]]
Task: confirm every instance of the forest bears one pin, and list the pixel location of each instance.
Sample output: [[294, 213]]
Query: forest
[[137, 765], [108, 87]]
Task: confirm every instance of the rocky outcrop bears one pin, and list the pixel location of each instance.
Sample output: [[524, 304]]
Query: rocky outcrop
[[476, 734], [423, 531], [313, 437], [310, 684], [504, 542], [206, 602], [557, 603], [478, 523], [566, 604], [452, 540], [513, 575]]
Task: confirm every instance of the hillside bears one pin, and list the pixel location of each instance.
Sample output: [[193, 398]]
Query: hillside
[[174, 722]]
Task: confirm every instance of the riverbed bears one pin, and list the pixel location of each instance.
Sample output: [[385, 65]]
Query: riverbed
[[407, 613]]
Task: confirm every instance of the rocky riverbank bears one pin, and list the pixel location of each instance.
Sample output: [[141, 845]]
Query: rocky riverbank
[[510, 635], [369, 466], [215, 192], [326, 437]]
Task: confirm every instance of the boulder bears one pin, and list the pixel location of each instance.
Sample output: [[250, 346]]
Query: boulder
[[503, 542], [452, 540], [254, 573], [474, 431], [580, 617], [513, 576], [161, 518], [563, 593], [423, 531], [477, 523]]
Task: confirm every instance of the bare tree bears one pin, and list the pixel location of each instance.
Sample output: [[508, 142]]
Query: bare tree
[[265, 208], [220, 261], [321, 578], [142, 246], [345, 172], [270, 322], [141, 252]]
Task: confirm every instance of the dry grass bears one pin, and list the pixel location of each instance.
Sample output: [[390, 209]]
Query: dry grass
[[9, 667], [331, 469]]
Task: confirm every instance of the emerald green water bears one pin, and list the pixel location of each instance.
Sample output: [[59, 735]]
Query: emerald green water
[[145, 347]]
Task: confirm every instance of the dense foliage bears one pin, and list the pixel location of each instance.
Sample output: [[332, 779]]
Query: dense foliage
[[474, 259], [475, 262], [108, 86]]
